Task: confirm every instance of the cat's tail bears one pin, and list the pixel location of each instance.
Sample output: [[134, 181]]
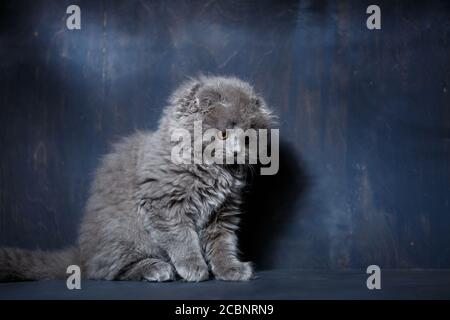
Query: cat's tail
[[22, 265]]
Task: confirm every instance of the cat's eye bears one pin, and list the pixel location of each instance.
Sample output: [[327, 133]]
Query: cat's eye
[[222, 135]]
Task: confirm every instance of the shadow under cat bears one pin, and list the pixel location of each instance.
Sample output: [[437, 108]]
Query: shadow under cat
[[268, 206]]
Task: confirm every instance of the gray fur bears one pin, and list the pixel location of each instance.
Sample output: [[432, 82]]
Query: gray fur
[[150, 219]]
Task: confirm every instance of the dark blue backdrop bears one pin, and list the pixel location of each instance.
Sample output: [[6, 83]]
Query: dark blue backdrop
[[364, 117]]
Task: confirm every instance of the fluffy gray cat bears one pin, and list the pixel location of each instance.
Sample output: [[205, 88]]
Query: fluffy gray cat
[[148, 218]]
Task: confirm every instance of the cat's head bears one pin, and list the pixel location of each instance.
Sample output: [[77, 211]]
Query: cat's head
[[223, 105]]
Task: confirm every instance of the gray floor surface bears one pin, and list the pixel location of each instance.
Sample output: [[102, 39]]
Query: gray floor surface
[[273, 284]]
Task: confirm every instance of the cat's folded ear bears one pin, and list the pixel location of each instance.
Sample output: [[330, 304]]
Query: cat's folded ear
[[206, 98], [264, 118], [185, 98], [193, 97]]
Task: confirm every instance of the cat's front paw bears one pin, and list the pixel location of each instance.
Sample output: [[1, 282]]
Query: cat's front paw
[[159, 271], [193, 270], [234, 271]]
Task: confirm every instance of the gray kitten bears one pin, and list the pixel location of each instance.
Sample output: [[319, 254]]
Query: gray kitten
[[148, 218]]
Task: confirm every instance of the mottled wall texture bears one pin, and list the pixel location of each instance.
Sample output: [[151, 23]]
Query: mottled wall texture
[[364, 116]]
